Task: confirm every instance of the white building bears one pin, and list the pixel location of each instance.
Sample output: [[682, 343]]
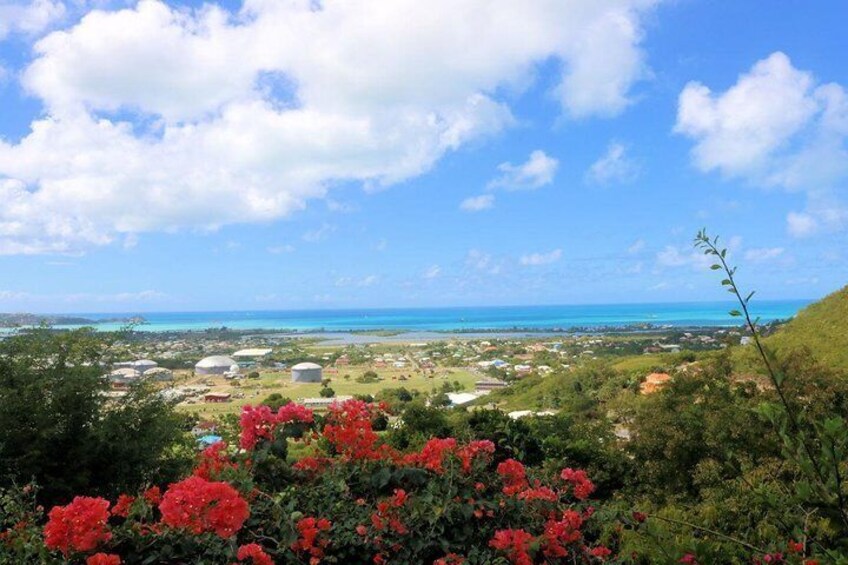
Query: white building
[[254, 353]]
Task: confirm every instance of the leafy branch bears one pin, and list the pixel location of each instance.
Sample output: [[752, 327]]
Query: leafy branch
[[833, 427]]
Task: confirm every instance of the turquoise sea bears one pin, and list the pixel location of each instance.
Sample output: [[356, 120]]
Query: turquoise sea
[[504, 318]]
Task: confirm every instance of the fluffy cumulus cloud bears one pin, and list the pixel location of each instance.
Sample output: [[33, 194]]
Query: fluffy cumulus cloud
[[28, 17], [777, 126], [536, 172], [536, 259], [163, 118]]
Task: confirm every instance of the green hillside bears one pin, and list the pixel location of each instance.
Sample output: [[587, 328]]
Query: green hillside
[[822, 327]]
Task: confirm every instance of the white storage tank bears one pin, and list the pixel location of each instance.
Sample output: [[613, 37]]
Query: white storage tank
[[214, 365], [306, 373]]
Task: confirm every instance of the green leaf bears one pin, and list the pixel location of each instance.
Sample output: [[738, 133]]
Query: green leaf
[[735, 313], [749, 296], [715, 267]]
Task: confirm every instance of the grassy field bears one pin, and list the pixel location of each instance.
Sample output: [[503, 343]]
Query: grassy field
[[255, 390]]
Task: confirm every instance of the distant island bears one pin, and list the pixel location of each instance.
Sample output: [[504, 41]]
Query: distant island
[[24, 319]]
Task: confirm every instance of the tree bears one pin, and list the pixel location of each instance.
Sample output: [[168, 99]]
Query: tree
[[275, 400], [58, 428], [327, 392]]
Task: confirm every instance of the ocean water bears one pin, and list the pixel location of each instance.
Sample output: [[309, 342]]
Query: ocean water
[[502, 318]]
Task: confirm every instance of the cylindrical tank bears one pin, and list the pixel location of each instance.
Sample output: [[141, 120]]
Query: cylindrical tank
[[306, 373]]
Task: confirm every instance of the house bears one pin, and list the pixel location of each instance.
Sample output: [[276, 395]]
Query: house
[[489, 384], [321, 403], [217, 397]]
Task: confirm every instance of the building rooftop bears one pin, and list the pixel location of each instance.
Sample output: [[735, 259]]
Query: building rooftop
[[216, 361], [306, 365], [253, 352]]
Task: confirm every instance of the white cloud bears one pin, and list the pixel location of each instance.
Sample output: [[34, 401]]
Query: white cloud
[[341, 207], [245, 117], [279, 249], [362, 282], [536, 259], [13, 295], [480, 261], [536, 172], [432, 272], [800, 224], [673, 256], [477, 203], [763, 254], [613, 166], [775, 127], [28, 17], [319, 234]]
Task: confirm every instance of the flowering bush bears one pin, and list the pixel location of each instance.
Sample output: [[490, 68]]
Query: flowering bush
[[349, 499], [79, 526]]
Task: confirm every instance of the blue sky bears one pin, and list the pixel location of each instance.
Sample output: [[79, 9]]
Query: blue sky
[[268, 155]]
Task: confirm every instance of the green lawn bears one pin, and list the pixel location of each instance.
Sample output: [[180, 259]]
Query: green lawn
[[255, 390]]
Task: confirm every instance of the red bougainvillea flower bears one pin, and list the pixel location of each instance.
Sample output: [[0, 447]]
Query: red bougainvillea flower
[[122, 506], [153, 496], [639, 517], [795, 547], [689, 559], [514, 476], [310, 539], [601, 552], [539, 493], [256, 423], [103, 559], [294, 413], [583, 487], [214, 461], [433, 454], [348, 429], [468, 453], [255, 553], [516, 544], [79, 526], [387, 515], [260, 422], [450, 559], [559, 533], [311, 464], [200, 506]]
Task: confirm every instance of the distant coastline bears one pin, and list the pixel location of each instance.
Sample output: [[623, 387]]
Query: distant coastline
[[29, 320], [596, 318]]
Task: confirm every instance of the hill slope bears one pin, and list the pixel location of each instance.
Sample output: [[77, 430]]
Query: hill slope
[[822, 326]]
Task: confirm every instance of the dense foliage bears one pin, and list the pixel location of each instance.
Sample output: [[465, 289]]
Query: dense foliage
[[60, 430]]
